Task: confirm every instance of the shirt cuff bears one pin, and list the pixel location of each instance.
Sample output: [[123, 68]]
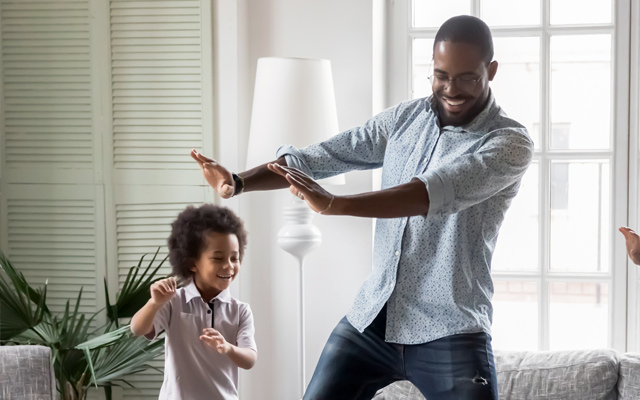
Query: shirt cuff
[[440, 191], [294, 159]]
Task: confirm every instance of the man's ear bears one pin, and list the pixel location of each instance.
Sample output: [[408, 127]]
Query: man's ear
[[492, 69]]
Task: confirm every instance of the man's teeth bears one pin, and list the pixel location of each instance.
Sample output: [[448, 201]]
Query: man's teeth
[[224, 276], [454, 102]]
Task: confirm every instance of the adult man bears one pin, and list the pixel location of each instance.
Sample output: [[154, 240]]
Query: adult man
[[451, 165]]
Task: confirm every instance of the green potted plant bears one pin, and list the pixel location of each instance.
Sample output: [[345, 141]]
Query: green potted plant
[[83, 354]]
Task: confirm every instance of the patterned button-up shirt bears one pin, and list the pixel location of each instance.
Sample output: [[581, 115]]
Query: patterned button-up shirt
[[433, 271]]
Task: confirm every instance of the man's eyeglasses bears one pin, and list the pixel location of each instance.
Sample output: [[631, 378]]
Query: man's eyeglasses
[[464, 83]]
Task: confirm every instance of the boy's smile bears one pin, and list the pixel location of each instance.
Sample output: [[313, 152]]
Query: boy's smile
[[218, 265]]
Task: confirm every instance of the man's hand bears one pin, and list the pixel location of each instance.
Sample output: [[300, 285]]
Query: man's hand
[[633, 244], [215, 340], [301, 185], [163, 290], [217, 176]]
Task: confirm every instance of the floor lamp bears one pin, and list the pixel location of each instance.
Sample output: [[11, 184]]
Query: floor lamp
[[293, 103]]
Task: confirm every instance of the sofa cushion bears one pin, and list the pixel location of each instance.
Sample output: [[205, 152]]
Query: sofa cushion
[[629, 379], [401, 390], [557, 375], [26, 373]]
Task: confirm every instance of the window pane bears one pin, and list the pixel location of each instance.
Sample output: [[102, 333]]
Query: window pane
[[580, 12], [517, 248], [432, 13], [509, 12], [579, 216], [422, 56], [517, 83], [515, 315], [580, 92], [579, 315]]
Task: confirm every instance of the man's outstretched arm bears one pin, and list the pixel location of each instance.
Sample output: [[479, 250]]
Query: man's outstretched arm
[[221, 180], [404, 200]]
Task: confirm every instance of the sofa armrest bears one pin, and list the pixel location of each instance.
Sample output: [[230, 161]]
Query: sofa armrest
[[629, 380], [26, 373]]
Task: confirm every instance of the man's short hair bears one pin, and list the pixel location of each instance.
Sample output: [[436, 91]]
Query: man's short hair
[[467, 29]]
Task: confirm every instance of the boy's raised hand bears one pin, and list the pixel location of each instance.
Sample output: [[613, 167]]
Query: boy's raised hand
[[163, 290], [215, 340], [217, 176]]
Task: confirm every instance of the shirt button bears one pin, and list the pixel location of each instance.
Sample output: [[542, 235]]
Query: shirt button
[[208, 311], [397, 253], [404, 222]]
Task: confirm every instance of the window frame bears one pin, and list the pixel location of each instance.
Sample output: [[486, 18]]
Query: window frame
[[623, 329]]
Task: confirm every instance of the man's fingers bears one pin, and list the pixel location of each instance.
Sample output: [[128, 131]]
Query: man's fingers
[[627, 232], [298, 183], [226, 191], [296, 172], [201, 157], [277, 168], [194, 155]]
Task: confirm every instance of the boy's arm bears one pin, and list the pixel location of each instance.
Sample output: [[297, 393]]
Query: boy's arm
[[161, 292], [243, 357], [142, 321]]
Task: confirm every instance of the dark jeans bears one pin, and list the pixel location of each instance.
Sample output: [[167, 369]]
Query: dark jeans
[[354, 365]]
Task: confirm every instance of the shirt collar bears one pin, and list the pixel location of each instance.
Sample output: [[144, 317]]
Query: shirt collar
[[478, 122], [191, 292]]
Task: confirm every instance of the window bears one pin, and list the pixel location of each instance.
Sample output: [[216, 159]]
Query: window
[[563, 72]]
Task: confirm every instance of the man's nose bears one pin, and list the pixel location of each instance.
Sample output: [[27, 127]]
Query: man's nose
[[451, 87]]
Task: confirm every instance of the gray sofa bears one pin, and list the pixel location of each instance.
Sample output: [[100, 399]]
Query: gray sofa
[[26, 373], [553, 375]]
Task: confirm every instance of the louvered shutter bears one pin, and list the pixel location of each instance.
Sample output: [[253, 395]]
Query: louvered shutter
[[51, 231], [46, 78], [52, 236], [157, 78]]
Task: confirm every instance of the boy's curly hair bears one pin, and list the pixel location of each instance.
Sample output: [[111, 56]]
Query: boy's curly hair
[[189, 233]]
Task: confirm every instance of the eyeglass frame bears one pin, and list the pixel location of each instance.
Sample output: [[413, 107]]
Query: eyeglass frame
[[448, 82]]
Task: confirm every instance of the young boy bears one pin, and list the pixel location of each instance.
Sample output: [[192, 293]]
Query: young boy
[[209, 334]]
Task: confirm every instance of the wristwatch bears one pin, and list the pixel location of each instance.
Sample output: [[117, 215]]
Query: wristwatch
[[238, 183]]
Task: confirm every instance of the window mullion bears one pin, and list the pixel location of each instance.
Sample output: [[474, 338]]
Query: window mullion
[[475, 8], [545, 195]]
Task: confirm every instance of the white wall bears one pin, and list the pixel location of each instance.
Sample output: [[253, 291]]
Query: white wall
[[341, 32]]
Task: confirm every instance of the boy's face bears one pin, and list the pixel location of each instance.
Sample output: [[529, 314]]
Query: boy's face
[[218, 265]]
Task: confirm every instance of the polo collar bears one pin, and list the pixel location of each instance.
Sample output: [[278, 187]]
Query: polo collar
[[191, 292]]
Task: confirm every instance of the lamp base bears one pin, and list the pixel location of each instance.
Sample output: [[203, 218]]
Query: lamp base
[[298, 237]]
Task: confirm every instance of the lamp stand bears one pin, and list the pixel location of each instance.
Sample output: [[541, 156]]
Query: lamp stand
[[298, 237]]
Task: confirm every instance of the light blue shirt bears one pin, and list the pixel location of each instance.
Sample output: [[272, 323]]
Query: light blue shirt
[[433, 271]]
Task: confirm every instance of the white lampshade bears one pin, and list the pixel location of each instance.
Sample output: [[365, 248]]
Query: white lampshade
[[294, 104]]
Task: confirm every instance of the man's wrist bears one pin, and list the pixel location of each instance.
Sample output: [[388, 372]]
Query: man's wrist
[[238, 184]]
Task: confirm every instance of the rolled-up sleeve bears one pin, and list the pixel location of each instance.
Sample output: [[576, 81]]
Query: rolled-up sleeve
[[472, 178], [355, 149]]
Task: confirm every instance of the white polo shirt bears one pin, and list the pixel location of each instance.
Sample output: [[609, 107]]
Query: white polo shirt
[[193, 370]]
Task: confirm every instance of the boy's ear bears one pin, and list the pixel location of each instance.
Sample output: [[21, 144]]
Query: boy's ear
[[193, 268]]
